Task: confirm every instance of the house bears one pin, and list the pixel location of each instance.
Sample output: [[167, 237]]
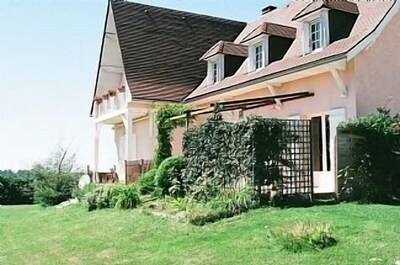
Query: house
[[148, 55], [343, 53]]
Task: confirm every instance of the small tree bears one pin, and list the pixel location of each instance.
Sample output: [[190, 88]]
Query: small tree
[[56, 177]]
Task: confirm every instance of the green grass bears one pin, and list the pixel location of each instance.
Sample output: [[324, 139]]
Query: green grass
[[32, 235]]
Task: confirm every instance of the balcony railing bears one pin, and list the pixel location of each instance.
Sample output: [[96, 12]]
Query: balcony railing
[[109, 103]]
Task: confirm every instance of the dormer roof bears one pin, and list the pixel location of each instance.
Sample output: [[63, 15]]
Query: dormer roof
[[227, 48], [269, 28], [342, 5]]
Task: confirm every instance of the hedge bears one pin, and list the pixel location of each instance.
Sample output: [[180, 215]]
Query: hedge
[[221, 155]]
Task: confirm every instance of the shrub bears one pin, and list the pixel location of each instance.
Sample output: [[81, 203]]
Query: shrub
[[113, 195], [235, 201], [169, 176], [226, 204], [146, 182], [16, 189], [103, 196], [127, 197], [374, 175], [81, 193], [53, 188], [303, 236]]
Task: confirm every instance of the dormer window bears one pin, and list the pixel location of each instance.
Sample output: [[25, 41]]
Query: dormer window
[[316, 34], [258, 51], [259, 58], [326, 21], [223, 59], [268, 43], [215, 69]]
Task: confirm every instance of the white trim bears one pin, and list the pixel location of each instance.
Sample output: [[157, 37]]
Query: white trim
[[273, 93], [129, 137], [324, 145], [368, 41], [219, 61], [251, 58], [110, 115], [339, 81], [323, 16], [98, 127]]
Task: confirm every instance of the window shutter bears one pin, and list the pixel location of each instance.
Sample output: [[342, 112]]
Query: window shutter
[[306, 38]]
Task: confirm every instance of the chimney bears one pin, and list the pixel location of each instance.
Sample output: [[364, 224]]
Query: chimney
[[268, 9]]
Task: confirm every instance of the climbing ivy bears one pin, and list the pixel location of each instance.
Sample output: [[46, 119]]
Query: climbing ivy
[[222, 155], [165, 127]]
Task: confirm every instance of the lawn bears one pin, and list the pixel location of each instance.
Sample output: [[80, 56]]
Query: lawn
[[31, 235]]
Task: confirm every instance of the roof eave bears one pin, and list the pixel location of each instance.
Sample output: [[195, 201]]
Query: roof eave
[[100, 57], [271, 76]]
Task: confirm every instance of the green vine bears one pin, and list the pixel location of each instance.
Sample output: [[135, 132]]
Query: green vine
[[165, 127], [221, 154]]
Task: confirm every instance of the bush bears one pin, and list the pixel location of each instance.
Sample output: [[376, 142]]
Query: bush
[[53, 188], [304, 236], [113, 195], [103, 196], [169, 176], [146, 183], [81, 193], [127, 197], [374, 175], [15, 189], [226, 204]]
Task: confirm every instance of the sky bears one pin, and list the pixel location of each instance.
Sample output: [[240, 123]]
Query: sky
[[49, 52]]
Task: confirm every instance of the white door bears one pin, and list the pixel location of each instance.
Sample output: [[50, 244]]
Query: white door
[[323, 128]]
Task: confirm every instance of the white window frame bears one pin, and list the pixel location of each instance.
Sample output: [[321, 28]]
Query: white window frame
[[212, 76], [308, 21], [253, 44], [259, 53], [316, 41]]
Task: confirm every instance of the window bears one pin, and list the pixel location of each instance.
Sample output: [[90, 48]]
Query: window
[[258, 55], [214, 70], [315, 35]]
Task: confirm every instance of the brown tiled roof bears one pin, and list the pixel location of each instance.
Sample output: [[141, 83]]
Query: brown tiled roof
[[228, 48], [341, 5], [161, 48], [271, 29], [371, 15]]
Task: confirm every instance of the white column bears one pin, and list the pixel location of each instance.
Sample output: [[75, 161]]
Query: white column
[[129, 137], [96, 151], [324, 147]]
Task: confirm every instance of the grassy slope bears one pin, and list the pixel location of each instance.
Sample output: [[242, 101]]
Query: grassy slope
[[31, 235]]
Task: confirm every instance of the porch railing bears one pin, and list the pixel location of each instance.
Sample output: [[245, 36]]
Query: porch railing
[[135, 168]]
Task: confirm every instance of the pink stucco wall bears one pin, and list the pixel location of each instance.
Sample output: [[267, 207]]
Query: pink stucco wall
[[377, 72], [326, 97]]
